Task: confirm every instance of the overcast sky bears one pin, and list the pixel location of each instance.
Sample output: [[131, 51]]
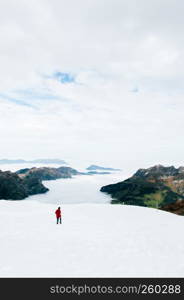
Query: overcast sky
[[97, 81]]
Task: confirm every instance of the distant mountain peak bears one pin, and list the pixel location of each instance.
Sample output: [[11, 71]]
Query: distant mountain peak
[[158, 171], [41, 160], [95, 167]]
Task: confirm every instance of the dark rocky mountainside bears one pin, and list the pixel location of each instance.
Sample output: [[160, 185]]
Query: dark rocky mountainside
[[157, 172], [12, 187], [176, 207], [158, 186], [169, 176], [26, 182], [46, 173]]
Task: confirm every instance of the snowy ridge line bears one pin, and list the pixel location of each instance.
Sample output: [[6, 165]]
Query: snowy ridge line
[[136, 241]]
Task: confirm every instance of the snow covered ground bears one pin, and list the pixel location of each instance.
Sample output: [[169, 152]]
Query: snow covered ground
[[95, 240]]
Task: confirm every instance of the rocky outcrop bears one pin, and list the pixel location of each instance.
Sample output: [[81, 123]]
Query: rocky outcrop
[[169, 176], [157, 171], [158, 186], [46, 173], [12, 187], [26, 182]]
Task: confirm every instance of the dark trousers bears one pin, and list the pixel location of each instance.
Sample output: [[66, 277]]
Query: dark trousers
[[59, 220]]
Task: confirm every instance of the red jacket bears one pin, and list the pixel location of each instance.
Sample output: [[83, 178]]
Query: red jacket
[[58, 213]]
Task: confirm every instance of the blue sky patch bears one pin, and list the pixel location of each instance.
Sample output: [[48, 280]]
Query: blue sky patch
[[64, 77]]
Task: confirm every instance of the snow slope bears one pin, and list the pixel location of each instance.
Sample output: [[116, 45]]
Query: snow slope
[[95, 240]]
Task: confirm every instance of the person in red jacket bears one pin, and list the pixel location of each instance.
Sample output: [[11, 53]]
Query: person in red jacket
[[58, 215]]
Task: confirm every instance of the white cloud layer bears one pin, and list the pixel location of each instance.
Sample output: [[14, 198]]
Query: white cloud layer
[[125, 107]]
